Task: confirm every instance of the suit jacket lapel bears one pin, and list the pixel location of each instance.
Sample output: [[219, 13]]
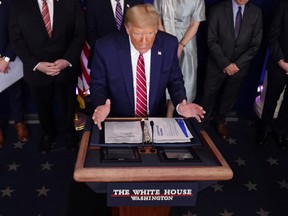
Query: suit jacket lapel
[[56, 18], [126, 68], [246, 15], [36, 13], [229, 13], [155, 68]]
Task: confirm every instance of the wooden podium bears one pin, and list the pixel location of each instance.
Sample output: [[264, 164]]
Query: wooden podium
[[126, 173]]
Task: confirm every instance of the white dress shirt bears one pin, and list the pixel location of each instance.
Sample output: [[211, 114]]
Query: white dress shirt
[[50, 4], [114, 3]]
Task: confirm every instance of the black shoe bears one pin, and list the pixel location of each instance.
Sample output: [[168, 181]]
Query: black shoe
[[222, 131], [263, 137], [45, 144]]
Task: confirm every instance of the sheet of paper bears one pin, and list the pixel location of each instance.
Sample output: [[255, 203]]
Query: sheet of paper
[[123, 132], [168, 130], [14, 74]]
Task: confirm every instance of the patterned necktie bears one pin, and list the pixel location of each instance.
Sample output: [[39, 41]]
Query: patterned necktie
[[141, 90], [119, 15], [238, 21], [46, 17]]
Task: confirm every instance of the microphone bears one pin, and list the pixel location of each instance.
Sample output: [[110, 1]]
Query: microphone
[[153, 150], [143, 136]]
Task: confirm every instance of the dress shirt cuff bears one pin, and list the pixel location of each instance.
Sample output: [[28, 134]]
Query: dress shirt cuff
[[69, 64], [35, 68], [177, 109]]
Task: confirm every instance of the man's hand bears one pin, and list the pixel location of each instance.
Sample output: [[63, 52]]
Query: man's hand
[[100, 113], [61, 64], [4, 66], [283, 65], [231, 69], [49, 68], [188, 110]]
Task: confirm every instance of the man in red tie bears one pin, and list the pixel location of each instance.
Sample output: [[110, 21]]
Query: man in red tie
[[115, 84], [48, 37]]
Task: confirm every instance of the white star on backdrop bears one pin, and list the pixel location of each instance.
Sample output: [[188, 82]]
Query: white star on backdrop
[[283, 184], [217, 187], [13, 166], [46, 166], [240, 162], [7, 192], [18, 145], [231, 141], [262, 212], [272, 161], [226, 213], [251, 186], [43, 191]]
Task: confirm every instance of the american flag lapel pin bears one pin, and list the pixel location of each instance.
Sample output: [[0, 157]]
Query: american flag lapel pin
[[128, 6], [159, 53]]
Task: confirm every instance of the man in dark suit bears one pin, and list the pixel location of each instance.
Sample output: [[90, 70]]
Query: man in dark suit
[[232, 42], [101, 21], [277, 79], [7, 55], [114, 70], [50, 52]]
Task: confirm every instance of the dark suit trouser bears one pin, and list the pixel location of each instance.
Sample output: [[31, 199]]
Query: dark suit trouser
[[276, 79], [15, 98], [220, 90], [56, 97], [16, 102]]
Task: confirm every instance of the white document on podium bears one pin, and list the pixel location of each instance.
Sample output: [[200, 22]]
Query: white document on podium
[[170, 130], [123, 132], [166, 130], [15, 73]]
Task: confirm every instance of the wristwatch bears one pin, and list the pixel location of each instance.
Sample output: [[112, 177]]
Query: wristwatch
[[7, 59]]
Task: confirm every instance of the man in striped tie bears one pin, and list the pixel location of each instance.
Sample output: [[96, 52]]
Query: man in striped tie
[[48, 37], [131, 71], [105, 17]]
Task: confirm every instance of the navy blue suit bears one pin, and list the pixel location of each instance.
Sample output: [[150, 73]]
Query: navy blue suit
[[111, 75], [14, 91]]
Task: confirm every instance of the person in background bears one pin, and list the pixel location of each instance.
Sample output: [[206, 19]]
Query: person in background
[[277, 79], [101, 19], [234, 37], [182, 19], [7, 55], [48, 37], [131, 71]]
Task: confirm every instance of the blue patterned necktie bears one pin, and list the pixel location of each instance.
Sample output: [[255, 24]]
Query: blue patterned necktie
[[238, 21], [119, 15]]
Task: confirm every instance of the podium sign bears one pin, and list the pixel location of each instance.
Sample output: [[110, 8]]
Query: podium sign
[[152, 194]]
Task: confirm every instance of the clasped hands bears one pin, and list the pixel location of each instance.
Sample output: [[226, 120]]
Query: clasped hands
[[231, 69], [52, 68], [187, 110]]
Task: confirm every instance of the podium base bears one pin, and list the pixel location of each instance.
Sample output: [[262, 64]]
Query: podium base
[[141, 211]]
